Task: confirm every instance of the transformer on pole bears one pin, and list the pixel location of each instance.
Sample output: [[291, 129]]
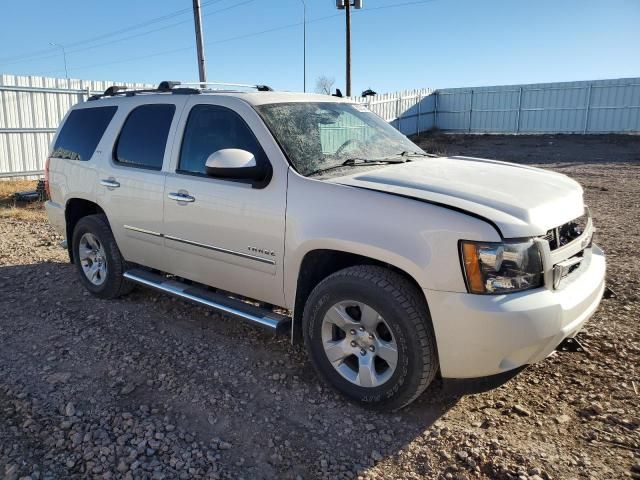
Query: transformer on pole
[[346, 6]]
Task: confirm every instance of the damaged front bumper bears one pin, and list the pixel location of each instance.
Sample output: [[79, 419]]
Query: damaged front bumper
[[484, 335]]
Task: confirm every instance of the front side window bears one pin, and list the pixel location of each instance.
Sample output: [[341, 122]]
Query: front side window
[[82, 132], [211, 128], [321, 135], [143, 138]]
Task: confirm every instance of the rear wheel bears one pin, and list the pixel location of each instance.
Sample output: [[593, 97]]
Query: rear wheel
[[98, 258], [369, 334]]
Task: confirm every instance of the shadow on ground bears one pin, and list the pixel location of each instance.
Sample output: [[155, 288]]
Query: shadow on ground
[[214, 379]]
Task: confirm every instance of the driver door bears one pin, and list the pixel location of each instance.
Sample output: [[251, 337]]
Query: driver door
[[225, 232]]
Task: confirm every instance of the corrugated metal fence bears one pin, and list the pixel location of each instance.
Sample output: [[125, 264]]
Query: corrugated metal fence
[[401, 109], [30, 110], [32, 107], [598, 106]]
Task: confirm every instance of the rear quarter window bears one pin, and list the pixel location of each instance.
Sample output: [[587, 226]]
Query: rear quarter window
[[81, 133]]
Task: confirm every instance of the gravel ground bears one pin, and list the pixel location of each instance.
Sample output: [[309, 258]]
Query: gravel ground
[[151, 387]]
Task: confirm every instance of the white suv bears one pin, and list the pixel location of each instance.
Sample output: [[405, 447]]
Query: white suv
[[311, 215]]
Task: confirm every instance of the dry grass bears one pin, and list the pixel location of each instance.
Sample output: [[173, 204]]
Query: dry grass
[[9, 187], [433, 141], [9, 208]]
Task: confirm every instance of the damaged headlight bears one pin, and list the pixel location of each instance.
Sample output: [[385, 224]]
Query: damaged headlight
[[501, 267]]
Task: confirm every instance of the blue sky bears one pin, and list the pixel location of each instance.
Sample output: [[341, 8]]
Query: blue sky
[[397, 44]]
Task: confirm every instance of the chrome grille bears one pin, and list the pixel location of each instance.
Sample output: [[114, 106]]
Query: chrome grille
[[566, 233]]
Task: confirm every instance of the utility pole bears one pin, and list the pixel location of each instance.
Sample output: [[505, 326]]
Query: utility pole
[[199, 44], [346, 6], [347, 11], [64, 56], [304, 45]]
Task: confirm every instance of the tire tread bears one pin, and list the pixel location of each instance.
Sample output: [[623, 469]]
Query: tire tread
[[407, 296], [117, 285]]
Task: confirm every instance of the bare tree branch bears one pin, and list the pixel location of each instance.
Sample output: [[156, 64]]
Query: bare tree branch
[[324, 84]]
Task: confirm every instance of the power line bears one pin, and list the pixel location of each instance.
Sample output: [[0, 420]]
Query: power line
[[48, 52], [405, 4], [215, 42], [243, 36]]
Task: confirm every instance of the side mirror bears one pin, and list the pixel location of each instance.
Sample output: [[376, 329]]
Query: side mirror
[[234, 164]]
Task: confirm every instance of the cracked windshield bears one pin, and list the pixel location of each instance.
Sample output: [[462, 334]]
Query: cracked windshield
[[318, 137]]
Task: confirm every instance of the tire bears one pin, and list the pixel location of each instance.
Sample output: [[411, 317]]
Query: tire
[[401, 318], [93, 232]]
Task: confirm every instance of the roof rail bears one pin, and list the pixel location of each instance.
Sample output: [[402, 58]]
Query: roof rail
[[164, 87], [169, 86], [203, 85]]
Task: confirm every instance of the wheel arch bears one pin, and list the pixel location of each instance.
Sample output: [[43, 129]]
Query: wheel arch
[[318, 264], [75, 209]]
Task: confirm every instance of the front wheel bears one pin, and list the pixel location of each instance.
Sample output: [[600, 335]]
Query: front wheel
[[368, 333]]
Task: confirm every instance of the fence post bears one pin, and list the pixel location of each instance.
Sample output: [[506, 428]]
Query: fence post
[[586, 111], [470, 109], [418, 120], [435, 109], [519, 110], [398, 113]]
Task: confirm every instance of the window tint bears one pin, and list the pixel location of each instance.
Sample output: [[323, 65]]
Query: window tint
[[211, 128], [143, 138], [82, 132]]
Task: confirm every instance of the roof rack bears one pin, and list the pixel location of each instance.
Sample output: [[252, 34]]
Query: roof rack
[[203, 85], [168, 86]]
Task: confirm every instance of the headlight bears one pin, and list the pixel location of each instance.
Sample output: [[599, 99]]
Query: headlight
[[493, 268]]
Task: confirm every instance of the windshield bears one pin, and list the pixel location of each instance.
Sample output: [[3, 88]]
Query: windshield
[[323, 135]]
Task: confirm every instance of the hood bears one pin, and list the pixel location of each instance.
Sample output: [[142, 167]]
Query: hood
[[521, 201]]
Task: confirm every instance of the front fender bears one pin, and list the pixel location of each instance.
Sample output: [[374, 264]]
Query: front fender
[[419, 238]]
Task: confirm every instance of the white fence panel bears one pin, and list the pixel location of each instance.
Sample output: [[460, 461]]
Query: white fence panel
[[598, 106], [30, 110], [410, 111]]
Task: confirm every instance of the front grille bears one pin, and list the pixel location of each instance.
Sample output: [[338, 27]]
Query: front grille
[[566, 233]]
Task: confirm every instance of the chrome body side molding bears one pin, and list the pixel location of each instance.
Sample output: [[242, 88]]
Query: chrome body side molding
[[221, 250], [268, 261], [142, 230]]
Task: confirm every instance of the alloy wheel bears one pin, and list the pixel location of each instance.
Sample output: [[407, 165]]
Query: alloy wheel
[[359, 343], [92, 259]]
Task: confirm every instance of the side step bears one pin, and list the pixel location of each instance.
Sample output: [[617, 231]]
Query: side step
[[279, 324]]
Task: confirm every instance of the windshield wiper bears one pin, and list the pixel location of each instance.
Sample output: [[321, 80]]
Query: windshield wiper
[[358, 161], [350, 162], [407, 153]]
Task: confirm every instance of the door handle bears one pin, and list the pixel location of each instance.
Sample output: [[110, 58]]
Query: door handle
[[109, 183], [181, 197]]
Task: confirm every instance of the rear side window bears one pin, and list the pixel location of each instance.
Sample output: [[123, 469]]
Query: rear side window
[[143, 137], [82, 132]]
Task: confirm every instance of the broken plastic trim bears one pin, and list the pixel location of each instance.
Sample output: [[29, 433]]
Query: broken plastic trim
[[571, 345]]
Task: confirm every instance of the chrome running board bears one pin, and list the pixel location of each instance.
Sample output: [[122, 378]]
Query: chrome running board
[[280, 324]]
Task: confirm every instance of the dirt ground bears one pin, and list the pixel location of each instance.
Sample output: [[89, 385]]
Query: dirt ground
[[151, 387]]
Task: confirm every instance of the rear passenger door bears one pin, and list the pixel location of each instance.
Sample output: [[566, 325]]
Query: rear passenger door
[[131, 182]]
